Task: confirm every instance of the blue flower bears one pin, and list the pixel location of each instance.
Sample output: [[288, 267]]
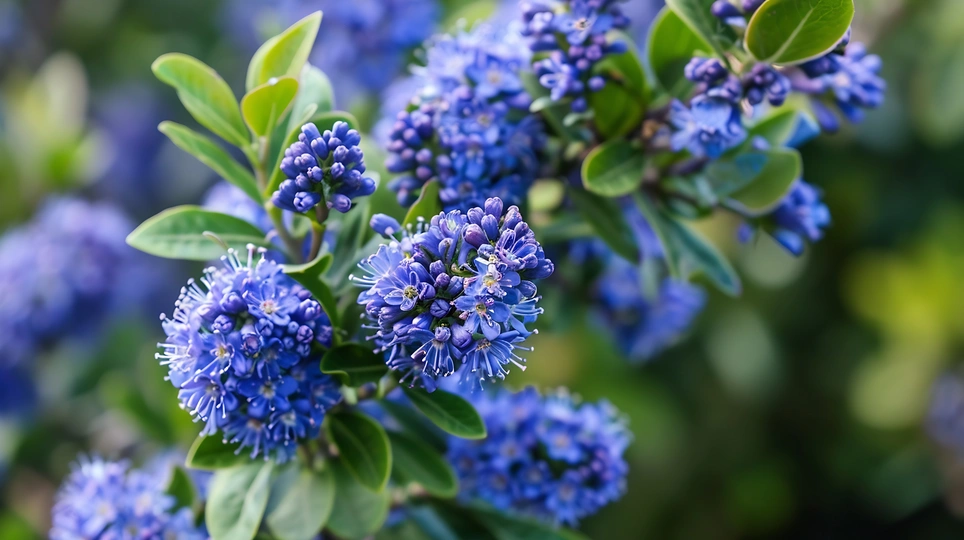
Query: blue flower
[[104, 499], [453, 296], [765, 82], [18, 391], [709, 128], [945, 415], [800, 218], [550, 457], [850, 79], [66, 273], [468, 125], [326, 168], [240, 351]]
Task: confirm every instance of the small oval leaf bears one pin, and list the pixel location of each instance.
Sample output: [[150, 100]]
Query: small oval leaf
[[697, 15], [237, 501], [794, 31], [613, 169], [285, 54], [426, 206], [179, 233], [415, 461], [354, 364], [448, 411], [358, 511], [300, 503], [672, 44], [204, 94], [363, 446], [265, 105]]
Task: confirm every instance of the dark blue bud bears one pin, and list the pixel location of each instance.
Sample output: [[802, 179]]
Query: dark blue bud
[[385, 225], [223, 324], [251, 344]]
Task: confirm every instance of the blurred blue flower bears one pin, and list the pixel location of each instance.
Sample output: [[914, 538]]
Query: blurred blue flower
[[945, 415], [711, 126], [325, 168], [454, 296], [18, 391], [550, 457], [850, 79], [239, 350], [800, 218], [104, 499]]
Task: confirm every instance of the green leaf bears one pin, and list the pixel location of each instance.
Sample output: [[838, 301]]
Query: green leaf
[[354, 364], [314, 88], [285, 54], [671, 46], [184, 232], [204, 94], [358, 511], [696, 14], [309, 275], [776, 128], [757, 180], [212, 155], [181, 488], [212, 453], [300, 503], [415, 461], [430, 523], [363, 446], [510, 527], [323, 121], [237, 501], [613, 169], [265, 105], [606, 218], [794, 31], [619, 107], [471, 13], [414, 423], [426, 206], [449, 412]]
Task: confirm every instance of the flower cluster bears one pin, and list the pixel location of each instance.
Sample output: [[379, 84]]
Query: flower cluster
[[801, 217], [945, 415], [325, 168], [105, 499], [365, 42], [573, 33], [240, 350], [63, 274], [643, 327], [454, 295], [849, 77], [468, 126], [545, 456]]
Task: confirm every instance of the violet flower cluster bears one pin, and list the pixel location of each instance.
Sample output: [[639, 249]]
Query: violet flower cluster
[[573, 33], [454, 295], [468, 125], [550, 457], [241, 349], [325, 168], [108, 499]]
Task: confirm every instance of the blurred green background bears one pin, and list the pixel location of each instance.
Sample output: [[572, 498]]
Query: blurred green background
[[795, 411]]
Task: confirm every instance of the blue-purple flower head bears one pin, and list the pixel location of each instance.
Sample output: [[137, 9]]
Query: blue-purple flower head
[[849, 78], [323, 168], [800, 219], [945, 415], [64, 274], [573, 33], [454, 296], [708, 128], [106, 499], [242, 350], [550, 457], [468, 127]]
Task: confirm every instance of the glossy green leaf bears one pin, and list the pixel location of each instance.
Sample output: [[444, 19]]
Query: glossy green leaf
[[265, 105], [613, 169], [212, 155], [363, 447], [672, 44], [449, 412], [309, 275], [415, 424], [237, 501], [429, 524], [212, 453], [300, 503], [323, 121], [358, 511], [314, 88], [757, 180], [696, 14], [619, 107], [606, 218], [426, 206], [415, 461], [185, 232], [204, 94], [285, 54], [794, 31], [181, 488], [776, 128], [354, 364], [510, 527]]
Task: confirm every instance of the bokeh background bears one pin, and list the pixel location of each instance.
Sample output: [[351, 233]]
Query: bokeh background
[[798, 410]]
